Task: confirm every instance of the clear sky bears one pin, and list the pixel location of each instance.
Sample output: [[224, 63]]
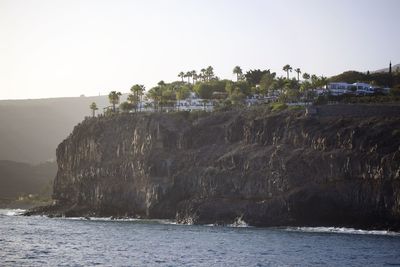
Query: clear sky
[[52, 48]]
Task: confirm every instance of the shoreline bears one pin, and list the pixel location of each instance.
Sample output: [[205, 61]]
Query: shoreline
[[52, 212], [23, 204]]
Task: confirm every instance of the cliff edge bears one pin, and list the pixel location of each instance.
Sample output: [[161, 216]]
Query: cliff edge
[[267, 169]]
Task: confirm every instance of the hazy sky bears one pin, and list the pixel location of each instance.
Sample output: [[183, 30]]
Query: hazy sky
[[51, 48]]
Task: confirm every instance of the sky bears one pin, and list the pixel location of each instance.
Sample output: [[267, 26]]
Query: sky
[[57, 48]]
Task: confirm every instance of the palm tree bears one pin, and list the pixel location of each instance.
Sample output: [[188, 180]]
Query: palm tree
[[314, 80], [126, 107], [93, 107], [160, 90], [209, 72], [298, 71], [194, 76], [203, 74], [305, 88], [155, 93], [188, 75], [200, 77], [181, 75], [136, 99], [238, 71], [132, 99], [279, 84], [306, 76], [141, 93], [323, 81], [113, 97], [288, 69]]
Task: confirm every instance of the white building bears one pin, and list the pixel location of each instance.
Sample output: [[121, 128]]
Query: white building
[[339, 88], [347, 88], [363, 88]]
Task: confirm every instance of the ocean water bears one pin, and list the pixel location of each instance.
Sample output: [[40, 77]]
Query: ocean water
[[42, 241]]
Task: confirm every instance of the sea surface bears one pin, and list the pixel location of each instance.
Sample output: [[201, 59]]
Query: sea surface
[[42, 241]]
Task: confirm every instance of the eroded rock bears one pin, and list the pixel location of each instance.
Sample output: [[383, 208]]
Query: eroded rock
[[268, 170]]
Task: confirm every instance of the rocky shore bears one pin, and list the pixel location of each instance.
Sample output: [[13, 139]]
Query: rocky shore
[[267, 169]]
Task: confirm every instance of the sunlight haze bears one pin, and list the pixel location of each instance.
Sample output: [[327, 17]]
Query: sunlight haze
[[69, 48]]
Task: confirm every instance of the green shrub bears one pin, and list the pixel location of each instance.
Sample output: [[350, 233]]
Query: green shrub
[[222, 106], [296, 107], [278, 106], [395, 91]]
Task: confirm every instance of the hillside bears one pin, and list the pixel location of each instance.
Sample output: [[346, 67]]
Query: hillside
[[31, 129], [394, 68], [18, 179]]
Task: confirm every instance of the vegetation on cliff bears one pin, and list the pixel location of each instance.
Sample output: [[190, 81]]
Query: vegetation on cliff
[[253, 84]]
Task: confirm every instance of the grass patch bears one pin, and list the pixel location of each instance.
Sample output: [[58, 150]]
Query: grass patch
[[296, 107]]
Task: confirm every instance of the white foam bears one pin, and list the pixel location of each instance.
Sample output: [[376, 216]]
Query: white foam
[[11, 212], [239, 222], [342, 230], [111, 219]]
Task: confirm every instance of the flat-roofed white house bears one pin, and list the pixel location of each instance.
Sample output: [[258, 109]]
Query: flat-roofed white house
[[363, 88], [339, 88]]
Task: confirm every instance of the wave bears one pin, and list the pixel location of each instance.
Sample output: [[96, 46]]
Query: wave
[[342, 230], [239, 222], [112, 219], [11, 212]]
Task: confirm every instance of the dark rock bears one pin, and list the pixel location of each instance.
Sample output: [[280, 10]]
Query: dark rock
[[269, 170]]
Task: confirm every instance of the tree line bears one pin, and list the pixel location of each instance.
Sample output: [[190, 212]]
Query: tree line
[[252, 83]]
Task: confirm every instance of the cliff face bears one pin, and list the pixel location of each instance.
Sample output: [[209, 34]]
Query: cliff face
[[267, 169]]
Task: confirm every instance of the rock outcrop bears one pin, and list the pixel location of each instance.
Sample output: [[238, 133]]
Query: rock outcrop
[[268, 169]]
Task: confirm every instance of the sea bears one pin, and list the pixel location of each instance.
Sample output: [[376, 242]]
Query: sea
[[43, 241]]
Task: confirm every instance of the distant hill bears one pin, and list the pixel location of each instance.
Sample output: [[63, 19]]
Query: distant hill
[[378, 78], [20, 178], [31, 129], [394, 67]]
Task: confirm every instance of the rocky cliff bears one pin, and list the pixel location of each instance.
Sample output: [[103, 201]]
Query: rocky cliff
[[269, 169]]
